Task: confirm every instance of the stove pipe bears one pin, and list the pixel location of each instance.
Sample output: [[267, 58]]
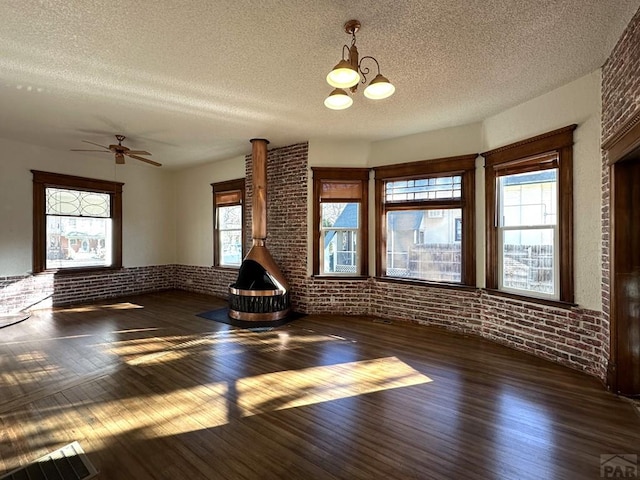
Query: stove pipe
[[261, 292]]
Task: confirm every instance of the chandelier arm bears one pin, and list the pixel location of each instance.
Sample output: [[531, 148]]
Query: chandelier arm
[[365, 70], [343, 51]]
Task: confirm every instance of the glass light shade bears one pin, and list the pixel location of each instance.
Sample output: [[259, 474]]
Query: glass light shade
[[343, 75], [338, 100], [379, 88]]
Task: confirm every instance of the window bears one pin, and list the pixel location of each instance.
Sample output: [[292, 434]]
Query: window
[[228, 236], [340, 220], [530, 216], [426, 220], [77, 222]]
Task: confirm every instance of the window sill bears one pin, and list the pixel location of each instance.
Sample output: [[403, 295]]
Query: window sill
[[525, 298], [425, 283], [340, 277], [226, 267], [71, 271]]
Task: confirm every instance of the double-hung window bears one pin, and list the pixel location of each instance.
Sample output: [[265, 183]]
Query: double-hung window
[[426, 227], [529, 217], [340, 219], [77, 222], [228, 237]]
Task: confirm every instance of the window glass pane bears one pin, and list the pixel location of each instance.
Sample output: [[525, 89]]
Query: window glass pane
[[425, 244], [529, 198], [423, 189], [339, 215], [340, 251], [339, 226], [230, 217], [527, 260], [230, 247], [74, 202], [230, 235], [78, 242]]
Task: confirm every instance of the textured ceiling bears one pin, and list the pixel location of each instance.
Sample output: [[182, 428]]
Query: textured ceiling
[[194, 82]]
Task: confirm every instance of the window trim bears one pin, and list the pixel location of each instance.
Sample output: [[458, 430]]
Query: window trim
[[221, 187], [321, 174], [463, 165], [43, 180], [530, 155]]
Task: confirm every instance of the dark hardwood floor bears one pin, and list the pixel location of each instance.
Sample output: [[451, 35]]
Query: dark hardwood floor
[[150, 390]]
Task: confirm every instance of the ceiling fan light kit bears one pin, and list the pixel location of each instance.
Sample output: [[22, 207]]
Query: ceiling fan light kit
[[120, 151], [349, 72]]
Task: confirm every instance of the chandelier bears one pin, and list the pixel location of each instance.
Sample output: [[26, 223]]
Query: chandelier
[[347, 74]]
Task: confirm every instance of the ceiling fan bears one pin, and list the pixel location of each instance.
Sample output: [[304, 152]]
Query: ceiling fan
[[120, 151]]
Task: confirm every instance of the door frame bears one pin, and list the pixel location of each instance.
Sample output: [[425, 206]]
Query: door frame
[[622, 145]]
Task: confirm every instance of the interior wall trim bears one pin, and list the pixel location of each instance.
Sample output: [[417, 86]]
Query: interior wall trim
[[624, 140]]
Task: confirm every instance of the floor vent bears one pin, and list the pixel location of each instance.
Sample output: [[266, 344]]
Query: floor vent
[[66, 463]]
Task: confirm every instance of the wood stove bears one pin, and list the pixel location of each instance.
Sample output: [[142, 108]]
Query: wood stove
[[261, 291]]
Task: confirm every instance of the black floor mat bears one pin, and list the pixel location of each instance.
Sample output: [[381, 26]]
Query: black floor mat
[[222, 315]]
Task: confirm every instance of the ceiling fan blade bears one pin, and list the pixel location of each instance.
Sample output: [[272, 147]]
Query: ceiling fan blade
[[96, 144], [145, 160], [138, 152], [78, 150]]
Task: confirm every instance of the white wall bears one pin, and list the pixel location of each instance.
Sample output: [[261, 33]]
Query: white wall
[[194, 206], [447, 142], [327, 153], [576, 102], [148, 207]]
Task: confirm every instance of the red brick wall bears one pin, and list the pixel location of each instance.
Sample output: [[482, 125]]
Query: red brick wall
[[620, 100], [621, 79]]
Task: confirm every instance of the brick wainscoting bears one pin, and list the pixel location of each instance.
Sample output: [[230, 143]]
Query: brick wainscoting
[[25, 291], [46, 289], [574, 337], [209, 280], [348, 297]]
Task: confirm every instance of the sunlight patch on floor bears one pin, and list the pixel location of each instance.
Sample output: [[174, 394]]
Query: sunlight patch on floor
[[297, 388], [95, 308]]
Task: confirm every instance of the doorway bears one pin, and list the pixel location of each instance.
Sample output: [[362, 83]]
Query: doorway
[[625, 319]]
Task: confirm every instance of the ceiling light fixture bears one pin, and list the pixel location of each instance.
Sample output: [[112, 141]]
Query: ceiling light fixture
[[347, 74]]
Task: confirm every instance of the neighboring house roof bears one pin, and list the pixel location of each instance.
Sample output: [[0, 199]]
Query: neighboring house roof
[[348, 218]]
